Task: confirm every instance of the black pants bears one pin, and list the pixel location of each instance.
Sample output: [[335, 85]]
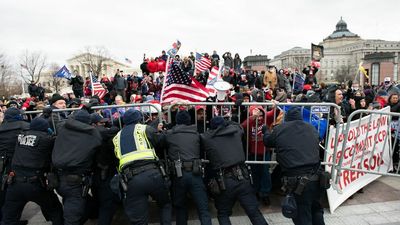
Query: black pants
[[106, 200], [194, 185], [140, 187], [74, 203], [309, 210], [19, 193], [245, 194]]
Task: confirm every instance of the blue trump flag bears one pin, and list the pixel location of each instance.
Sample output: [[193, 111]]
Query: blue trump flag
[[320, 124], [63, 73]]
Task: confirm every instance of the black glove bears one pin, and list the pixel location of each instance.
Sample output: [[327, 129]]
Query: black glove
[[264, 129], [47, 112]]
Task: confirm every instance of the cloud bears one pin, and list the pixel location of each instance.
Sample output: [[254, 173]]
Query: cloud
[[127, 28]]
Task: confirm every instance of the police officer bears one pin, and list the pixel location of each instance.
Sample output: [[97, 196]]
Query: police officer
[[296, 144], [30, 162], [183, 144], [223, 145], [9, 130], [105, 168], [73, 156], [142, 174]]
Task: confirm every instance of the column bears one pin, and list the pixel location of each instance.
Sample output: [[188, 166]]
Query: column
[[396, 67]]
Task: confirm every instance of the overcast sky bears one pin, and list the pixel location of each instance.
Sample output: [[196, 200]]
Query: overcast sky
[[129, 28]]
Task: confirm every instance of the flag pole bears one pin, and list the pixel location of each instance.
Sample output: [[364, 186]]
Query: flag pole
[[91, 81], [165, 78]]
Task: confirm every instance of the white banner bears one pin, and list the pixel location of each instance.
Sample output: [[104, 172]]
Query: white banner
[[368, 145]]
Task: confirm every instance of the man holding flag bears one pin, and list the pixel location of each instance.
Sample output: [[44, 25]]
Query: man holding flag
[[77, 84]]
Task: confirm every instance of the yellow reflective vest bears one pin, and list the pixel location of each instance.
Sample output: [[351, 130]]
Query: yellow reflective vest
[[142, 150]]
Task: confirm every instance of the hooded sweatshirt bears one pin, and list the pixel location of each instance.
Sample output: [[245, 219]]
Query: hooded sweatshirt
[[254, 134]]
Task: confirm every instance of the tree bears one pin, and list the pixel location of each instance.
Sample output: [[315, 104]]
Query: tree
[[345, 73], [32, 65], [94, 58], [56, 81], [5, 73]]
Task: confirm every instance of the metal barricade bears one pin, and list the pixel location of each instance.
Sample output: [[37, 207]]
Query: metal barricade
[[147, 109], [368, 145], [242, 113]]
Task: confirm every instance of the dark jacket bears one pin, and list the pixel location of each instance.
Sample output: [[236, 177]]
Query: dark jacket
[[183, 142], [33, 90], [296, 145], [120, 83], [105, 157], [33, 151], [75, 146], [9, 135], [224, 146], [77, 83]]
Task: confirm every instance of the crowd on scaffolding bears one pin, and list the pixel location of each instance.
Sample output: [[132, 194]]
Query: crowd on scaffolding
[[270, 85]]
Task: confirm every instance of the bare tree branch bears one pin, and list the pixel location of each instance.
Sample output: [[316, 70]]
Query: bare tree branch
[[94, 58], [32, 65]]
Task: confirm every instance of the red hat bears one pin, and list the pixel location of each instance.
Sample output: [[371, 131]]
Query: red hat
[[307, 87]]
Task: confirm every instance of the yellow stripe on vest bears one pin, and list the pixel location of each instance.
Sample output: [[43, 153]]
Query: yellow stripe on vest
[[144, 150]]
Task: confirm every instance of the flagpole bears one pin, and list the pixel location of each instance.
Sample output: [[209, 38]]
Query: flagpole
[[165, 78], [91, 82]]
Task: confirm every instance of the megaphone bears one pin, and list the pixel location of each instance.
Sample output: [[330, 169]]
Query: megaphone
[[221, 87]]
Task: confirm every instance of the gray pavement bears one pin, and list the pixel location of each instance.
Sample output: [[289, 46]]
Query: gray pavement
[[379, 204]]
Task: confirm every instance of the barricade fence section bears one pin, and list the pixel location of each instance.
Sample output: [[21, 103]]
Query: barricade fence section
[[366, 146], [253, 115], [151, 113]]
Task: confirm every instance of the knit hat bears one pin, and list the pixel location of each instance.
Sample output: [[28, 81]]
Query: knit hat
[[82, 116], [12, 114], [183, 117], [132, 116], [39, 124], [216, 122], [55, 98], [294, 113]]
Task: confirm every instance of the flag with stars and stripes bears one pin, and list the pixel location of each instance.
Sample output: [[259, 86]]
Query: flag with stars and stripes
[[180, 86], [212, 78], [202, 63], [97, 88]]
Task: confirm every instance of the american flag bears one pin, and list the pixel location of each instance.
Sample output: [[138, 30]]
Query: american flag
[[202, 63], [212, 78], [180, 86], [97, 88]]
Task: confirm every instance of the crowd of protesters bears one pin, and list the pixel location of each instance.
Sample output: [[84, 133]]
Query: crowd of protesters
[[272, 84]]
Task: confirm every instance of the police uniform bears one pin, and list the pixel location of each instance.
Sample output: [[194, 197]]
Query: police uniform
[[296, 144], [183, 144], [135, 148], [105, 168], [26, 180], [224, 149], [73, 156], [9, 130]]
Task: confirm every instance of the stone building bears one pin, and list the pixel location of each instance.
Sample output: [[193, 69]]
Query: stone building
[[256, 62], [344, 51], [81, 63]]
